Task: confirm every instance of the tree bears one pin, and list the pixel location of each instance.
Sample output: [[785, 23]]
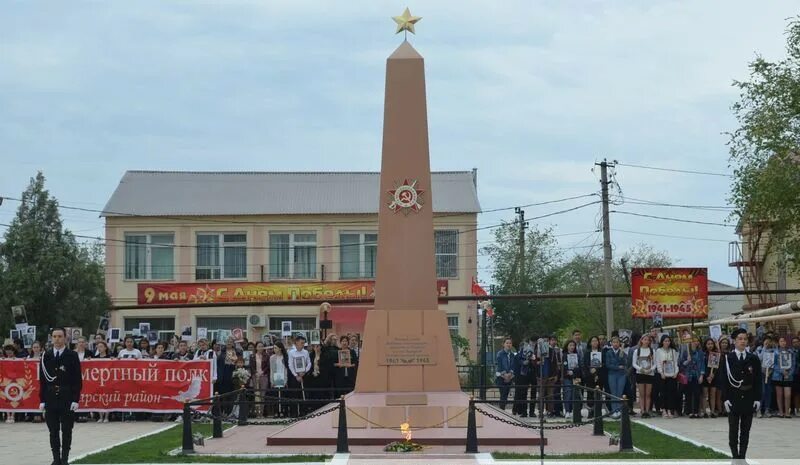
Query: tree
[[516, 318], [765, 149], [584, 273], [42, 267]]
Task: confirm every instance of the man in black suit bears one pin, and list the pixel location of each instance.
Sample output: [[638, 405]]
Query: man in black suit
[[59, 393], [741, 392]]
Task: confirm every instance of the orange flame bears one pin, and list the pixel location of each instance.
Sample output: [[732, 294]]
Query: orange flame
[[405, 430]]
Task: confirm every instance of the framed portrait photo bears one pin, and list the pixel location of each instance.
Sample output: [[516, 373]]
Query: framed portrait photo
[[767, 360], [299, 364], [572, 361], [596, 359], [344, 358], [785, 360], [713, 360], [669, 368]]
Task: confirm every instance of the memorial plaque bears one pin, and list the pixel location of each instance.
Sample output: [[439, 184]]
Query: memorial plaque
[[406, 350]]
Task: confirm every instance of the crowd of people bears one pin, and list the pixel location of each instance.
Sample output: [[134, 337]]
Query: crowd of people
[[659, 375], [274, 369]]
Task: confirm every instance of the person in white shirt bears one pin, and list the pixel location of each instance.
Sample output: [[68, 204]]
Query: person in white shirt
[[666, 363], [129, 352], [644, 365], [204, 353], [299, 365], [80, 349]]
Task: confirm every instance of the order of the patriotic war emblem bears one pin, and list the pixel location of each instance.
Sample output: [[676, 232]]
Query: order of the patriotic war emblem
[[406, 197]]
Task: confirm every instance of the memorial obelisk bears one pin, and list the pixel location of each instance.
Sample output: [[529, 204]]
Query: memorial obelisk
[[406, 341], [406, 371]]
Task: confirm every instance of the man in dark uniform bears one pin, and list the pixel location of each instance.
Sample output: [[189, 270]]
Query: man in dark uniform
[[60, 391], [741, 392]]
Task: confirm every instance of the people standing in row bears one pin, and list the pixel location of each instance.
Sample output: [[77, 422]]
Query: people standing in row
[[783, 372], [504, 371], [643, 363]]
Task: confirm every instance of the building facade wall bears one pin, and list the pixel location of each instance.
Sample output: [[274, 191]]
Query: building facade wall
[[257, 229]]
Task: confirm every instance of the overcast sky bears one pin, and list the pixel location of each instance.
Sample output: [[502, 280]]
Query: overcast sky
[[531, 94]]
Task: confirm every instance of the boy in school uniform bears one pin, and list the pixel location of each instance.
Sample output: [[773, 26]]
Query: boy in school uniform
[[741, 392], [299, 365]]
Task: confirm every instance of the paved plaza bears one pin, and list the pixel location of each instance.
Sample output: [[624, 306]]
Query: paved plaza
[[28, 443], [771, 442]]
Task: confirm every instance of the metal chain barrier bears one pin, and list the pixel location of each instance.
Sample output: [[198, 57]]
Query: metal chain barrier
[[397, 428], [522, 424], [286, 421]]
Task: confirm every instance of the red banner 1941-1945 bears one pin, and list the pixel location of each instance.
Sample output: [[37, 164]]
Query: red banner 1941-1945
[[114, 385], [672, 292]]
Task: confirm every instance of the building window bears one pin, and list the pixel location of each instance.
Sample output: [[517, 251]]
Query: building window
[[221, 256], [358, 253], [164, 326], [292, 255], [215, 323], [452, 327], [149, 256], [446, 253]]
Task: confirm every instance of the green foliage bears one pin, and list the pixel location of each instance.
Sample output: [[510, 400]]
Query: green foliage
[[585, 274], [519, 318], [765, 149], [548, 271], [403, 446], [461, 344], [59, 281]]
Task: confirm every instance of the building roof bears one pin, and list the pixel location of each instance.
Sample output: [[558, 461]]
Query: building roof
[[194, 193]]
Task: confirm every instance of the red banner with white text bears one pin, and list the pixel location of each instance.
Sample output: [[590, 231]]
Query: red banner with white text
[[114, 385]]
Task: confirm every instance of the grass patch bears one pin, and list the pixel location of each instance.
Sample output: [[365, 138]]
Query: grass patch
[[155, 449], [658, 446]]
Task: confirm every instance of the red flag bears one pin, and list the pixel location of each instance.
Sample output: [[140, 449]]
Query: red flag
[[476, 288]]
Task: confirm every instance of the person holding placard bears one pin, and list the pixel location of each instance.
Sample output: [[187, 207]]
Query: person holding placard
[[615, 362], [741, 392], [767, 355], [785, 364], [709, 399], [666, 362], [644, 365], [693, 367], [299, 365], [345, 367], [724, 346], [279, 370], [572, 371]]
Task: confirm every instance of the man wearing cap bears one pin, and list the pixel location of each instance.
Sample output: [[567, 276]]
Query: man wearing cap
[[741, 392], [299, 365]]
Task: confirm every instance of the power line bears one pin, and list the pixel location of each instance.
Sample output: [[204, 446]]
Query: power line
[[669, 236], [207, 219], [680, 220], [634, 201], [673, 170]]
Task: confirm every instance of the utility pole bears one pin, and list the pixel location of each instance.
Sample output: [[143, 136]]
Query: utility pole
[[607, 248], [522, 227]]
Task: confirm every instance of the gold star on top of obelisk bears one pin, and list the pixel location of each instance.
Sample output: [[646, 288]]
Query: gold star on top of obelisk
[[405, 22]]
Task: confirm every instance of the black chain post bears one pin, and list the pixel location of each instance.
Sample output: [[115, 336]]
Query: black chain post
[[216, 411], [188, 444], [472, 429], [625, 437], [242, 402], [576, 406], [341, 435], [598, 413]]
